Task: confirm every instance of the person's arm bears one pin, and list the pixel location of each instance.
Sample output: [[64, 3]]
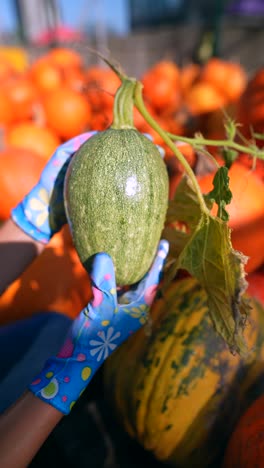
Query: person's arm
[[99, 329], [17, 251], [24, 428]]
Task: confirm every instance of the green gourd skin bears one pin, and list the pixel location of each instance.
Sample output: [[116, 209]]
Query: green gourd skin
[[116, 198]]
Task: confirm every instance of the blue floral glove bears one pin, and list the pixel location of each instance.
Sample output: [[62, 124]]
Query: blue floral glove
[[99, 329], [41, 213]]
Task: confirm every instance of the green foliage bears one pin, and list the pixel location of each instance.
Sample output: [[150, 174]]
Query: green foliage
[[204, 249], [221, 193]]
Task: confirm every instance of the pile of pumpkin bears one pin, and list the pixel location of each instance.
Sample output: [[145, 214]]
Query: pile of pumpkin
[[179, 391]]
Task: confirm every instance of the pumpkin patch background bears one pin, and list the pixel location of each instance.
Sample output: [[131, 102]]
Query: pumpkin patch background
[[55, 96]]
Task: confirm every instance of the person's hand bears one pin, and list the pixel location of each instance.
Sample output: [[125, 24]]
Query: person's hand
[[99, 329], [41, 213]]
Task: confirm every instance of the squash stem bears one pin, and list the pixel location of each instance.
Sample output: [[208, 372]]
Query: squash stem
[[124, 105], [139, 103], [200, 141]]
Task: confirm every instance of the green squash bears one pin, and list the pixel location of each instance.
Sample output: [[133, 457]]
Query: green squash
[[116, 198]]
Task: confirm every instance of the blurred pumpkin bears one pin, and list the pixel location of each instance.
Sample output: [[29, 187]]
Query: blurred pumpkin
[[189, 74], [75, 79], [246, 212], [101, 120], [65, 58], [101, 86], [19, 171], [17, 57], [251, 107], [246, 446], [161, 87], [256, 284], [94, 73], [67, 112], [55, 281], [23, 97], [168, 69], [6, 109], [257, 166], [7, 69], [203, 97], [139, 120], [32, 137], [227, 77], [45, 75]]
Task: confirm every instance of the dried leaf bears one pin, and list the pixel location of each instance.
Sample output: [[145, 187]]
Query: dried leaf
[[206, 252]]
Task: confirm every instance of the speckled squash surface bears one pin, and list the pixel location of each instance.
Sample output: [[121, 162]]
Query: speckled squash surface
[[116, 196], [179, 390]]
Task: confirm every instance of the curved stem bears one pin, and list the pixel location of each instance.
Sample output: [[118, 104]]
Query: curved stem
[[116, 68], [124, 105], [197, 141], [139, 103]]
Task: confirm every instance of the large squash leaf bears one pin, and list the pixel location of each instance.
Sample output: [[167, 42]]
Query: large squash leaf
[[202, 246]]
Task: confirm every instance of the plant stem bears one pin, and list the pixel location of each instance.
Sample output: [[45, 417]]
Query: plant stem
[[200, 141], [124, 105], [139, 103]]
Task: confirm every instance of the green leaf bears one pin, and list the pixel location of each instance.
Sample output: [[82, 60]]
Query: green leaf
[[229, 156], [221, 193], [206, 252]]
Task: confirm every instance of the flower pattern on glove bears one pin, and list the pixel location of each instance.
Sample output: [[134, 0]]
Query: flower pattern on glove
[[101, 327], [41, 213]]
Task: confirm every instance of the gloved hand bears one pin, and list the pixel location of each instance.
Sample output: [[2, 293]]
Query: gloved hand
[[41, 213], [99, 329]]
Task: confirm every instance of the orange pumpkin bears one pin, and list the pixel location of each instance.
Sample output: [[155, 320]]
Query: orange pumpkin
[[32, 137], [6, 109], [251, 106], [19, 172], [188, 76], [67, 112], [258, 165], [94, 73], [246, 212], [101, 85], [45, 75], [256, 284], [65, 58], [204, 97], [168, 69], [161, 87], [55, 281], [75, 79], [227, 77], [246, 445], [101, 120], [23, 97], [7, 70]]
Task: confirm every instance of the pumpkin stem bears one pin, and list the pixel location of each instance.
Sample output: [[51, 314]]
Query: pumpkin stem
[[124, 105], [116, 67], [139, 103]]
